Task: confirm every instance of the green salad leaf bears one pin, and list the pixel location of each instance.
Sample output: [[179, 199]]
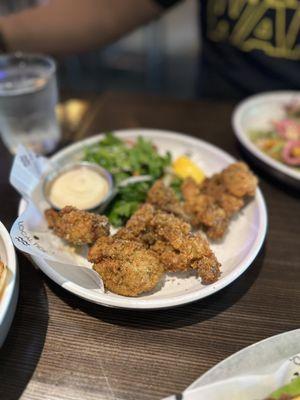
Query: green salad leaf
[[175, 184], [292, 389], [258, 134], [124, 160], [112, 154]]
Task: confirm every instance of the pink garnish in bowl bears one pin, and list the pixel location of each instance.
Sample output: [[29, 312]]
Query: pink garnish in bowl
[[288, 129], [291, 152]]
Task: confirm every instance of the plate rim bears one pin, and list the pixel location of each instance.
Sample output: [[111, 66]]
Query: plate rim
[[244, 139], [136, 303], [196, 385]]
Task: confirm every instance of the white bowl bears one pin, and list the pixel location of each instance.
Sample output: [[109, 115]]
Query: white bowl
[[256, 112], [8, 299], [236, 252]]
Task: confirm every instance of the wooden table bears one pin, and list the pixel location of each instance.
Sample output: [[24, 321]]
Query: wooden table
[[61, 347]]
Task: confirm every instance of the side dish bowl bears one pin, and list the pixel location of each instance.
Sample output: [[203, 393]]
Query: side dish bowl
[[9, 295]]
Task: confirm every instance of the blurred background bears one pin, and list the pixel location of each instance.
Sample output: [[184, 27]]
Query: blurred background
[[159, 58]]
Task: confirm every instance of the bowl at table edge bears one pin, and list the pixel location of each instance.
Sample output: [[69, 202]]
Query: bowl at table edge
[[9, 296]]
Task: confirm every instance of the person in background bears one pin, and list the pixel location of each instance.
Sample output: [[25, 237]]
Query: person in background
[[248, 46]]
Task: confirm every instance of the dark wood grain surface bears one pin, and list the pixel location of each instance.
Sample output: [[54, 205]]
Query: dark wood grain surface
[[61, 347]]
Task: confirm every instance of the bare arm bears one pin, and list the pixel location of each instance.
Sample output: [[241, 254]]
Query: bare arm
[[70, 26]]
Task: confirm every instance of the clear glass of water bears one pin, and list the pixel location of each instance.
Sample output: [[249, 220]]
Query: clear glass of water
[[28, 96]]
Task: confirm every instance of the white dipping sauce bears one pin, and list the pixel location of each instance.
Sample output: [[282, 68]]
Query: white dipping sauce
[[81, 187]]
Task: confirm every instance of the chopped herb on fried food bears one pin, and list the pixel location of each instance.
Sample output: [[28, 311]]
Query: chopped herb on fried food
[[176, 184], [127, 202]]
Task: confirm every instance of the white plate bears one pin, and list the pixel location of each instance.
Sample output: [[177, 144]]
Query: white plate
[[256, 112], [237, 251], [8, 299], [258, 359]]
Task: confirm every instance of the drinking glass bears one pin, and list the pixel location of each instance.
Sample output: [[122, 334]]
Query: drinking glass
[[28, 96]]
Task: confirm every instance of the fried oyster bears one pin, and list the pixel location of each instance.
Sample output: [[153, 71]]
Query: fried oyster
[[164, 198], [126, 267], [171, 239], [212, 204], [77, 227]]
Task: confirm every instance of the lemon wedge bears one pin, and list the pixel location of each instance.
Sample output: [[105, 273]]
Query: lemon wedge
[[185, 167]]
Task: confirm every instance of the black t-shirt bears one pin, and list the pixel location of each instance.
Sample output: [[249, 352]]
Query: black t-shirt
[[248, 46]]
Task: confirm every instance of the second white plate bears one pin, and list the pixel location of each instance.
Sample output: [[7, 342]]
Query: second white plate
[[257, 359], [255, 113]]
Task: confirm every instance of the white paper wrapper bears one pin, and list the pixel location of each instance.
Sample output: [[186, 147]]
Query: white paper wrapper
[[30, 233], [248, 387], [27, 171]]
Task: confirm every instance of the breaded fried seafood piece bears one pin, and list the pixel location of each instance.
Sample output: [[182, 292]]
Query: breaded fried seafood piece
[[126, 267], [171, 239], [76, 226], [212, 204], [239, 180], [204, 210], [215, 188], [137, 225], [164, 198]]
